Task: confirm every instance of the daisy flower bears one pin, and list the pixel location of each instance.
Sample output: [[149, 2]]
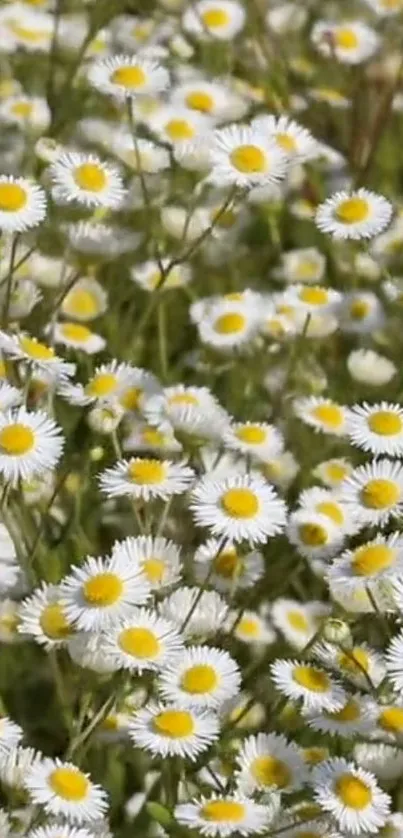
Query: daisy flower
[[241, 155], [303, 265], [85, 301], [22, 204], [196, 616], [370, 368], [356, 664], [360, 312], [214, 98], [10, 735], [77, 336], [60, 831], [223, 816], [375, 565], [251, 628], [226, 568], [315, 535], [350, 42], [297, 142], [297, 621], [333, 472], [101, 592], [268, 762], [113, 382], [171, 730], [144, 156], [158, 558], [386, 8], [354, 215], [351, 796], [258, 439], [202, 677], [148, 275], [374, 492], [377, 428], [300, 681], [30, 443], [43, 617], [238, 508], [101, 239], [159, 440], [354, 718], [146, 478], [65, 791], [40, 356], [128, 76], [9, 397], [322, 414], [30, 112], [86, 179], [325, 502], [216, 19], [311, 299], [181, 128], [389, 720], [393, 661], [143, 641]]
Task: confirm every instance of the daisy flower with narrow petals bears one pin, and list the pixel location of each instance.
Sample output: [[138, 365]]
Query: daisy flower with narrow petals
[[241, 155], [30, 443], [360, 312], [332, 472], [257, 439], [350, 42], [227, 568], [315, 535], [238, 508], [146, 478], [374, 492], [375, 565], [86, 179], [128, 76], [394, 661], [230, 325], [297, 142], [215, 98], [224, 816], [113, 382], [158, 558], [37, 354], [377, 428], [268, 762], [181, 128], [101, 592], [77, 336], [354, 215], [252, 628], [297, 621], [9, 396], [322, 414], [10, 735], [171, 730], [359, 664], [65, 791], [58, 830], [216, 19], [22, 204], [313, 686], [143, 641], [326, 502], [194, 615], [389, 720], [202, 676], [351, 796], [158, 440], [85, 301], [354, 718], [43, 617]]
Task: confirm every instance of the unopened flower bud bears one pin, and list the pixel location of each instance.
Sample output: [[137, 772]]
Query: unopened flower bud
[[337, 631]]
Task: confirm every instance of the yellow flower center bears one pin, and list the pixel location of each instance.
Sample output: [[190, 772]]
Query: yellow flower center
[[349, 713], [359, 309], [287, 142], [380, 494], [69, 783], [81, 302], [356, 662], [220, 811], [309, 811], [179, 130], [332, 510], [307, 269], [154, 569], [23, 109], [249, 159], [131, 398], [183, 398], [215, 18], [391, 719], [248, 627], [329, 414], [228, 564], [147, 472], [313, 756], [313, 535], [199, 679], [75, 332], [270, 771], [229, 324], [33, 36], [311, 679], [110, 724], [372, 559], [102, 385], [385, 423], [139, 642], [352, 210], [353, 792], [198, 100], [16, 440], [36, 350], [176, 724], [130, 77], [53, 622], [240, 503], [251, 434], [152, 437], [314, 296], [336, 472], [346, 38], [102, 590], [90, 176], [12, 197], [297, 621]]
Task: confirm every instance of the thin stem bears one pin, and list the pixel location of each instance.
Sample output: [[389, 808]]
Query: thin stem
[[7, 300]]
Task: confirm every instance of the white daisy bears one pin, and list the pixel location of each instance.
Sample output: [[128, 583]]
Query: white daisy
[[350, 42], [304, 265], [58, 830], [332, 472], [197, 614], [322, 414], [354, 718], [85, 301], [242, 156], [37, 354], [268, 762], [86, 179], [30, 443], [158, 440], [226, 568], [224, 816], [351, 795], [377, 428], [374, 492], [146, 478], [201, 677], [375, 565], [22, 204], [297, 142], [143, 641], [14, 765], [158, 558], [77, 336], [215, 98], [360, 312], [315, 535], [10, 735], [326, 502], [128, 76], [393, 660], [370, 368], [63, 790], [354, 215], [360, 665], [251, 628], [102, 239], [314, 686], [170, 730], [386, 8], [258, 439], [215, 19], [43, 617]]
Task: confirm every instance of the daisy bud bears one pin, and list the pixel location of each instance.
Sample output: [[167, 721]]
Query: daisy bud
[[337, 632]]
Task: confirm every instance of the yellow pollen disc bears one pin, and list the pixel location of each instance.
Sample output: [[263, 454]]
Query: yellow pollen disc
[[200, 101], [314, 296], [82, 303], [36, 350], [147, 472], [23, 109], [287, 142], [346, 38], [183, 398], [385, 423], [139, 642], [179, 129], [3, 371], [90, 176], [297, 621], [199, 679], [270, 771], [102, 590], [176, 724], [252, 434], [229, 324], [215, 18], [154, 569], [152, 437], [31, 35], [380, 494], [102, 385], [12, 197], [332, 510], [313, 535], [249, 159], [227, 564], [16, 440], [336, 472], [391, 719], [53, 622], [68, 783], [240, 503], [307, 269], [311, 678], [110, 724], [313, 756], [248, 627], [353, 792], [75, 332], [359, 309], [356, 662], [131, 398], [329, 414], [349, 713], [352, 210], [223, 810], [130, 77], [372, 559]]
